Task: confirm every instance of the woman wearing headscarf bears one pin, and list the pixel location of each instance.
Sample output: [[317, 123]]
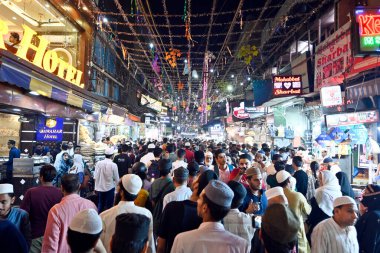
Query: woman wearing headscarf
[[322, 203], [368, 225], [63, 168], [314, 167], [345, 186]]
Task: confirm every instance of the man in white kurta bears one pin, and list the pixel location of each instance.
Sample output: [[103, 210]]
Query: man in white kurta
[[211, 237], [181, 192], [337, 234], [129, 187]]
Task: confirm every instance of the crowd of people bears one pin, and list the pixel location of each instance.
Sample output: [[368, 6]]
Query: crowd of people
[[187, 196]]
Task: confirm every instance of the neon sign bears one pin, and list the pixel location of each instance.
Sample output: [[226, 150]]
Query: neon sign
[[368, 29], [43, 58], [287, 85]]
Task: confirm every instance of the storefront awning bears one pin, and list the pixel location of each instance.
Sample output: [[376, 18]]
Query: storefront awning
[[134, 117], [363, 90], [21, 76]]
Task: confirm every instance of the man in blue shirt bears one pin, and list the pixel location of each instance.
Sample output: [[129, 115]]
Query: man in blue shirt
[[13, 153], [255, 202], [41, 150]]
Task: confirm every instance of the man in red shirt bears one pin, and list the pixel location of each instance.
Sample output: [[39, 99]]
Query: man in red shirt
[[238, 174], [189, 154], [38, 201]]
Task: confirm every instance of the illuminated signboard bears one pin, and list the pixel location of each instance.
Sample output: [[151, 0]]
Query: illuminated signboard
[[49, 129], [151, 103], [331, 96], [287, 85], [43, 58], [368, 30], [344, 119]]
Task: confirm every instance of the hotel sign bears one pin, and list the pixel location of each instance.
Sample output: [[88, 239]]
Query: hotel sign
[[43, 58], [287, 85]]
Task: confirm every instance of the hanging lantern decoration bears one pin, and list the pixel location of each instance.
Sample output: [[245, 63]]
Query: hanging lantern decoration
[[183, 104], [172, 56], [181, 86], [194, 74], [208, 108], [174, 108], [247, 53]]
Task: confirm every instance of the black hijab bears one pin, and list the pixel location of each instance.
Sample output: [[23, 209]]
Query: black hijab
[[345, 185]]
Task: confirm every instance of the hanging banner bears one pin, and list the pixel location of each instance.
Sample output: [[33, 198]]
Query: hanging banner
[[334, 59], [49, 129]]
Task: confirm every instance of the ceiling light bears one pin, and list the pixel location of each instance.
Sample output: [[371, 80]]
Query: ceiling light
[[151, 45], [75, 30], [16, 110], [34, 93], [212, 70], [85, 8], [232, 76], [17, 10], [249, 79], [14, 18], [241, 83], [229, 87], [185, 61], [105, 20], [217, 91], [47, 6]]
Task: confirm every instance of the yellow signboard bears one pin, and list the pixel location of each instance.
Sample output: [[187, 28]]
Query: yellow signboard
[[43, 58]]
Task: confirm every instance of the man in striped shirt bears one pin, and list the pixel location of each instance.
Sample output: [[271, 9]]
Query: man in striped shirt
[[337, 234]]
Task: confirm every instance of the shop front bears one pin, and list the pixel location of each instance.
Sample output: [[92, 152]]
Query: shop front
[[43, 72]]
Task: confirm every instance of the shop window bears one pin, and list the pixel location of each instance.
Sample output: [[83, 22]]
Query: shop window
[[100, 86], [98, 55], [46, 21], [93, 79], [106, 87], [116, 92]]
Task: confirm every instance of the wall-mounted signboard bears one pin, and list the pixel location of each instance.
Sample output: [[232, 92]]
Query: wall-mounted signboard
[[287, 85]]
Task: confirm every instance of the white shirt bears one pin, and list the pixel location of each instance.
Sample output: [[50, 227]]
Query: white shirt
[[146, 159], [71, 152], [109, 221], [328, 237], [176, 165], [239, 224], [106, 175], [180, 193], [210, 237], [58, 159]]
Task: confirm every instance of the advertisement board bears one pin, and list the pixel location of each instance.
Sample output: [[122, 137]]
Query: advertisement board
[[151, 103], [287, 85], [353, 118], [334, 61], [331, 96], [367, 33], [49, 129]]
